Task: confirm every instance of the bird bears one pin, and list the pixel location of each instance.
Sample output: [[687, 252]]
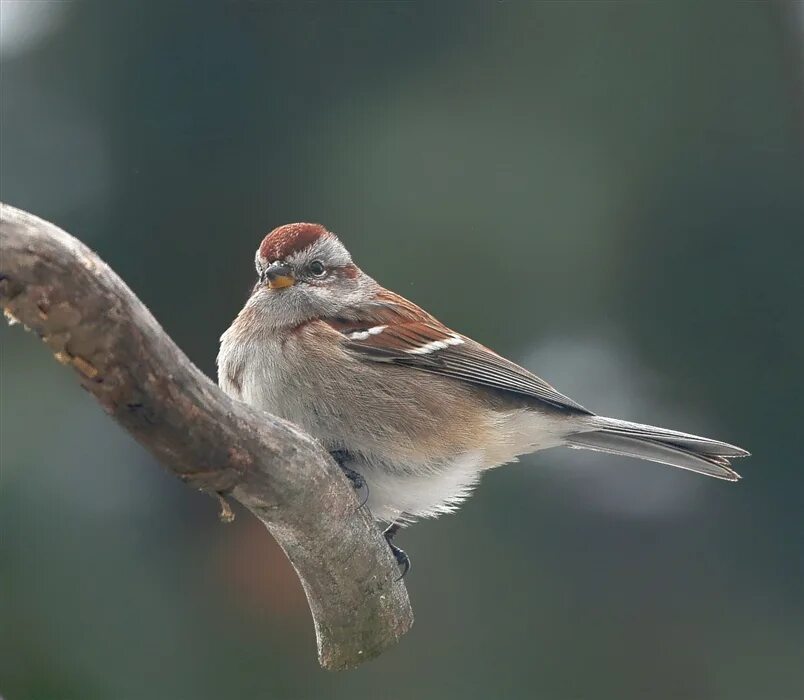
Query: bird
[[411, 410]]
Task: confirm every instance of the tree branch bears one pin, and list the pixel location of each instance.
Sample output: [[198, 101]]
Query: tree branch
[[94, 323]]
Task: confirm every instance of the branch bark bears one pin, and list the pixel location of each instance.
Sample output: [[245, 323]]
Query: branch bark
[[94, 323]]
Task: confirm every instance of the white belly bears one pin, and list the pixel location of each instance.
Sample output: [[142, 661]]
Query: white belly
[[396, 495]]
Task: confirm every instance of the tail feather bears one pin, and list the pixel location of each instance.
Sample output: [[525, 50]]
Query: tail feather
[[682, 450]]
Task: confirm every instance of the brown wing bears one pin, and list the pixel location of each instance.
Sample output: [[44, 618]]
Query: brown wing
[[397, 331]]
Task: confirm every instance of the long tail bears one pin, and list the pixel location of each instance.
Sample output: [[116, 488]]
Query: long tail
[[698, 454]]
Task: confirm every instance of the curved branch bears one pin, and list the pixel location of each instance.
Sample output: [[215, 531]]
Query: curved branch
[[93, 322]]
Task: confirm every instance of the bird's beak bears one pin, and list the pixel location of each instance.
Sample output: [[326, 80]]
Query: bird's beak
[[279, 275]]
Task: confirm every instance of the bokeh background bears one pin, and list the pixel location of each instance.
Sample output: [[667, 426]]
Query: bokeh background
[[609, 193]]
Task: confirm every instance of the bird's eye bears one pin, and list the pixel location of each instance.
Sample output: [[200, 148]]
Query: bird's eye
[[317, 268]]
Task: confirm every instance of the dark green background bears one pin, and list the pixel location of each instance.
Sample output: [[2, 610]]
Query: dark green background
[[610, 194]]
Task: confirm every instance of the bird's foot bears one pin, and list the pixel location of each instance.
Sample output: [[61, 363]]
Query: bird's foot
[[399, 554], [359, 483]]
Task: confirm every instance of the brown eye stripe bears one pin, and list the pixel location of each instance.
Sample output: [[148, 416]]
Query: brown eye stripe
[[349, 271]]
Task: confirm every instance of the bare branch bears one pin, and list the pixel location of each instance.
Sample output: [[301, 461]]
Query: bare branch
[[92, 321]]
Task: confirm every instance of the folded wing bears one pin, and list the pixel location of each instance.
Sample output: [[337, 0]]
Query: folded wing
[[397, 331]]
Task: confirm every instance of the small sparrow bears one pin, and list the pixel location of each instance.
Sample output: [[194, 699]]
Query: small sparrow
[[410, 409]]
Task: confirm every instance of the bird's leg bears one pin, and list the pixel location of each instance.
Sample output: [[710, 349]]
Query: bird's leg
[[359, 483], [399, 554]]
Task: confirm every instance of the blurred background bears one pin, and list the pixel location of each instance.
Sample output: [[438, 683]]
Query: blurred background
[[630, 175]]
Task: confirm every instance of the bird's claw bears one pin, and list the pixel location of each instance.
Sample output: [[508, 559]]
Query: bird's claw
[[402, 559], [359, 483]]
